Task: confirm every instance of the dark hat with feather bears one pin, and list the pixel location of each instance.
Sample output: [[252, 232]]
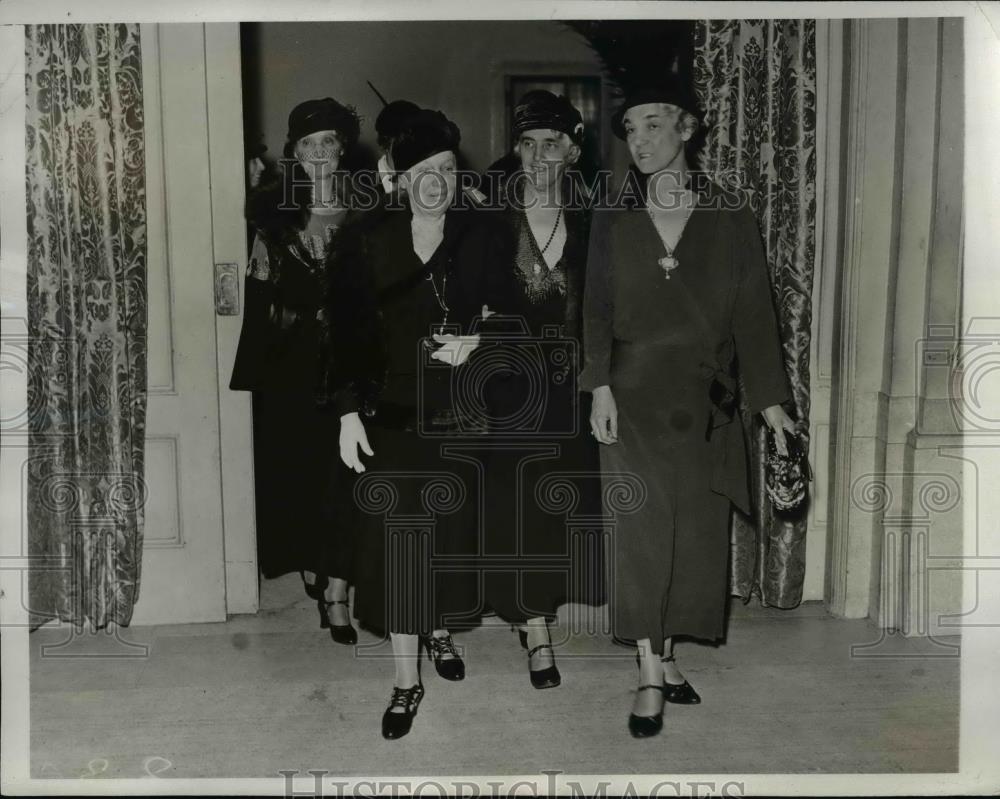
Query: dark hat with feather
[[642, 60], [422, 135], [391, 118]]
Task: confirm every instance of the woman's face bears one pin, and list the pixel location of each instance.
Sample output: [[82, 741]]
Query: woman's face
[[430, 184], [319, 152], [545, 154], [655, 136], [255, 168]]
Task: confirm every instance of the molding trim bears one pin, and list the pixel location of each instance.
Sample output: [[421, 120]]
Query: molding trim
[[158, 252], [830, 40], [870, 209], [856, 38]]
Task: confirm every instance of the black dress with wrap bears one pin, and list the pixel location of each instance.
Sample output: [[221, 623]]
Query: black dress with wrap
[[669, 348]]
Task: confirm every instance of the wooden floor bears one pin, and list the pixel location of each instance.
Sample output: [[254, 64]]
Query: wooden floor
[[261, 694]]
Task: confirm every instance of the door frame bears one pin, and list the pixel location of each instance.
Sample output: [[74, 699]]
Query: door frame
[[224, 91]]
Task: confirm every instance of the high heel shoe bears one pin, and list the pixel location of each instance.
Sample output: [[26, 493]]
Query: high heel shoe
[[451, 668], [341, 633], [646, 726], [543, 678], [396, 725], [679, 694], [314, 590]]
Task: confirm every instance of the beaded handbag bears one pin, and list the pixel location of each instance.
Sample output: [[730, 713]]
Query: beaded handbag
[[787, 477]]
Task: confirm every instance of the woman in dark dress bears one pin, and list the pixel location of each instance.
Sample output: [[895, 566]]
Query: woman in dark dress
[[677, 290], [302, 520], [547, 454], [417, 569]]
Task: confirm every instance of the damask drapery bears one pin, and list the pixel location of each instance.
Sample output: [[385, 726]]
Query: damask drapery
[[756, 80], [86, 285]]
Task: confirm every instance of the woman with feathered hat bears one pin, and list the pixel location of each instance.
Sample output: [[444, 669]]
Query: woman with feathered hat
[[677, 292], [422, 264]]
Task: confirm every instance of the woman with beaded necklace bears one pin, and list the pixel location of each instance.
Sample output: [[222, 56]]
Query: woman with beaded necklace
[[547, 453]]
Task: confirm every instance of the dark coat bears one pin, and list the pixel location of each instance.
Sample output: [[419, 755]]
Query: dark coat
[[718, 315]]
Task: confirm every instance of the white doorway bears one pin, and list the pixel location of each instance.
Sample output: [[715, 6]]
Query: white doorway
[[199, 554]]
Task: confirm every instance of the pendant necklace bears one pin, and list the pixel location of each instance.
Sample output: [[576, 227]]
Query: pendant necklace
[[669, 262], [537, 269]]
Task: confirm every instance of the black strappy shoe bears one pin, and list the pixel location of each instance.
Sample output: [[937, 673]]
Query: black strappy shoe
[[341, 633], [543, 678], [646, 726], [679, 694], [447, 662], [396, 725]]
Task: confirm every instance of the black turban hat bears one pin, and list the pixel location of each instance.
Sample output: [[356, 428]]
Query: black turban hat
[[422, 135], [543, 110]]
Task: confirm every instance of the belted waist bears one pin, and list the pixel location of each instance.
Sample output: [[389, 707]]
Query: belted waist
[[668, 363]]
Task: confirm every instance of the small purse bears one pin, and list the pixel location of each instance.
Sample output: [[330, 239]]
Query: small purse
[[786, 478]]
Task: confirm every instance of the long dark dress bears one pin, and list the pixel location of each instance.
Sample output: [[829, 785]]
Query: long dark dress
[[680, 459], [417, 569], [543, 532], [303, 521]]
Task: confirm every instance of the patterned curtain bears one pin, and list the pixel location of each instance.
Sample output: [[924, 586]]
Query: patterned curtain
[[87, 321], [757, 81]]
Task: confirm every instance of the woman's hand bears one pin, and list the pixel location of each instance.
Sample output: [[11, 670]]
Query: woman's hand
[[604, 416], [779, 421], [454, 350], [352, 436]]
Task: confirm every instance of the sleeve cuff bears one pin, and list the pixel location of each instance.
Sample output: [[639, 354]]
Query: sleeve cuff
[[345, 401], [594, 376]]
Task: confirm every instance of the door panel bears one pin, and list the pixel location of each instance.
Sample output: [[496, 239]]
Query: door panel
[[183, 562]]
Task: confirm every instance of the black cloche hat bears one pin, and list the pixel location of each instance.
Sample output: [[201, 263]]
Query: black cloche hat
[[670, 91], [325, 114]]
